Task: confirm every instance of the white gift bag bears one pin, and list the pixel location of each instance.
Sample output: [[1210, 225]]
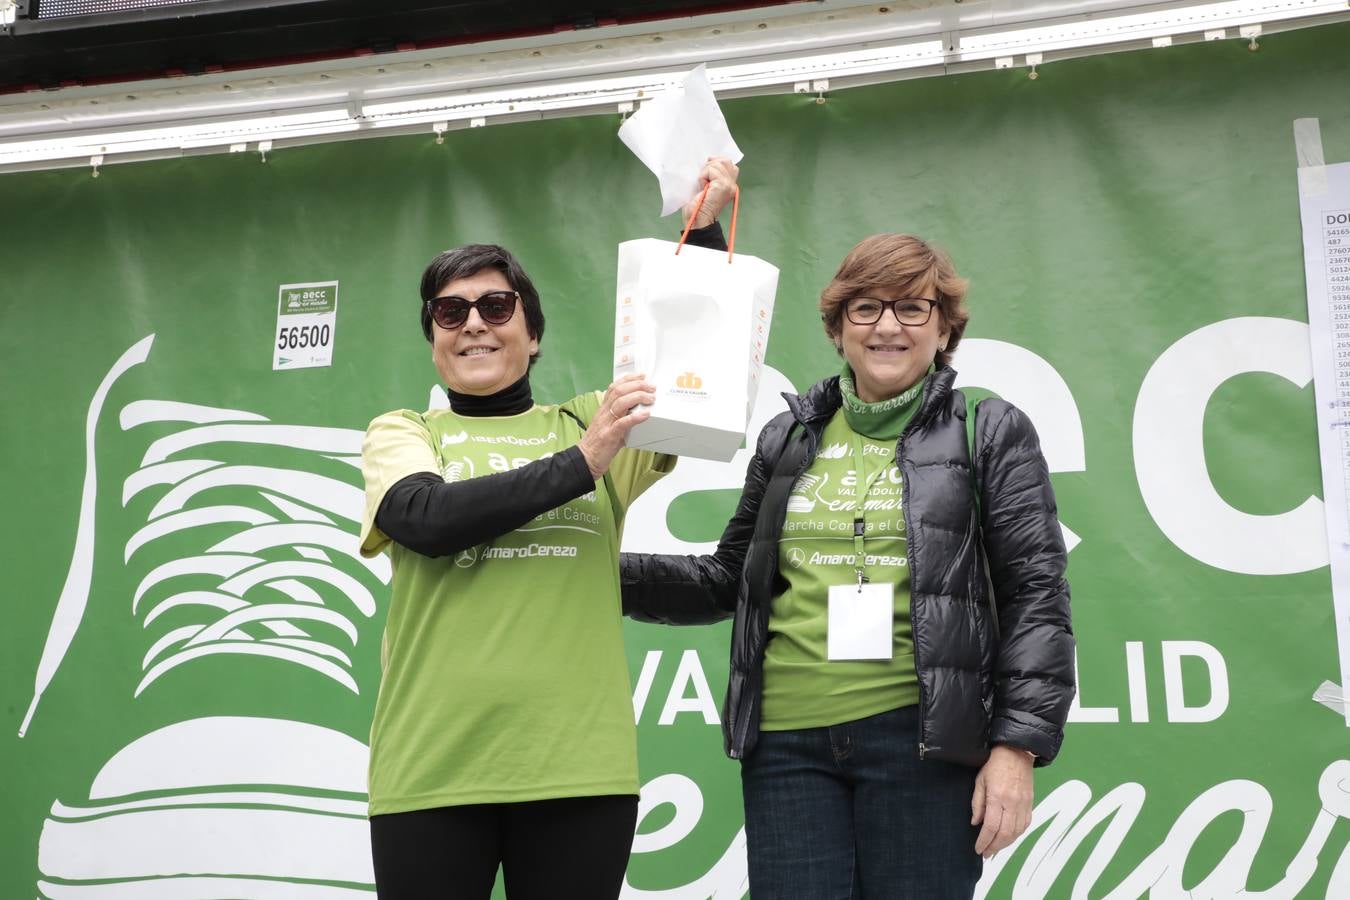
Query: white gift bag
[[696, 324]]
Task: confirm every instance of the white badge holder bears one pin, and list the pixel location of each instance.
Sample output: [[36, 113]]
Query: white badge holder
[[861, 622]]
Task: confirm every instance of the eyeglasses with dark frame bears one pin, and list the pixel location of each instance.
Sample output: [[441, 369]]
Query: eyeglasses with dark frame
[[494, 308], [912, 311]]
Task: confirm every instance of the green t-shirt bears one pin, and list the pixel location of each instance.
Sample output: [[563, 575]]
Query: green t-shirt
[[504, 671], [802, 687]]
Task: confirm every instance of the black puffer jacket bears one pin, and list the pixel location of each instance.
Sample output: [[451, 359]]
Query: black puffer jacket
[[984, 678]]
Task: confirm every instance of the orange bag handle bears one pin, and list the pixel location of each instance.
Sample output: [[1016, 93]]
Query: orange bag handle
[[735, 211]]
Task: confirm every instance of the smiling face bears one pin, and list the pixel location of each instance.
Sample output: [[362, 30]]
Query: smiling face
[[478, 358], [887, 357]]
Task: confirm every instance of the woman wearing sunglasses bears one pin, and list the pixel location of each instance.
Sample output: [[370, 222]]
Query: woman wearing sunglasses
[[887, 698], [503, 731]]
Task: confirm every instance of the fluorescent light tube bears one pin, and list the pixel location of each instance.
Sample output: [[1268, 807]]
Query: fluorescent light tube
[[201, 134], [607, 91], [1139, 26]]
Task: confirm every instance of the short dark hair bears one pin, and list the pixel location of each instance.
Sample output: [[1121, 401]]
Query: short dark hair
[[469, 260]]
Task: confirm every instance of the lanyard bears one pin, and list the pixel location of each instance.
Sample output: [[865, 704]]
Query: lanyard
[[859, 500]]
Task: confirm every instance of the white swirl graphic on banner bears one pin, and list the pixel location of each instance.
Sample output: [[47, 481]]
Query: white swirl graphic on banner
[[1067, 817], [275, 575], [1060, 825], [186, 799], [726, 880], [248, 580], [287, 513], [75, 592], [274, 808]]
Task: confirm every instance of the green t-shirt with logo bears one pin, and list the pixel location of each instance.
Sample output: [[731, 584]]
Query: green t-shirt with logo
[[504, 675], [803, 688]]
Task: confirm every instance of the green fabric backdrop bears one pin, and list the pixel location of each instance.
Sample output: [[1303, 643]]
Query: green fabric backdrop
[[1102, 212]]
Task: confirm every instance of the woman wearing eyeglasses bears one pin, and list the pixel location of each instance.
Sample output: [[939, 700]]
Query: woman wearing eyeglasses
[[887, 698], [503, 731]]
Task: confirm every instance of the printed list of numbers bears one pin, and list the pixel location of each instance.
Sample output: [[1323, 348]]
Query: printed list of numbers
[[1336, 243]]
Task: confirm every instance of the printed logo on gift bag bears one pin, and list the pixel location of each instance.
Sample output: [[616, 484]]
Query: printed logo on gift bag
[[689, 385]]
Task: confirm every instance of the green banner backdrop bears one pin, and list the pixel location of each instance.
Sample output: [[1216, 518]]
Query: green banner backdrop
[[1130, 227]]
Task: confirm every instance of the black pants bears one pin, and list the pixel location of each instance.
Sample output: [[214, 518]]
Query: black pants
[[571, 849]]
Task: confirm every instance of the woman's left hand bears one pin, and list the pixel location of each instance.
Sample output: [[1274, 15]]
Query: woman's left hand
[[625, 404], [1002, 800]]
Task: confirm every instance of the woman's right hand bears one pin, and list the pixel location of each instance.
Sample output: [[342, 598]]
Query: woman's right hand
[[720, 175], [625, 404]]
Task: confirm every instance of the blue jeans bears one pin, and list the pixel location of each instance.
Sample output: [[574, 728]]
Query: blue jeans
[[850, 812]]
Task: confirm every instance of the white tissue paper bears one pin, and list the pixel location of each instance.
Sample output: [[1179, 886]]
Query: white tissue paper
[[675, 133]]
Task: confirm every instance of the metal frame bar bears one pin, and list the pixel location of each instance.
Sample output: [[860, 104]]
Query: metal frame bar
[[455, 78]]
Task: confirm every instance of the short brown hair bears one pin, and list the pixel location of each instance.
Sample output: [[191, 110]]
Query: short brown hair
[[904, 265]]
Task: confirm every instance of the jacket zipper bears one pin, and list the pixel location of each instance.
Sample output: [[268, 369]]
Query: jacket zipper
[[923, 695], [737, 750], [904, 514]]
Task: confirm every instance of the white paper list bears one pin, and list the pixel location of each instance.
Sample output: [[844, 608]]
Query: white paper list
[[1324, 199]]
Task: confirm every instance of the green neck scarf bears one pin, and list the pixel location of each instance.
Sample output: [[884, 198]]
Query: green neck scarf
[[885, 419]]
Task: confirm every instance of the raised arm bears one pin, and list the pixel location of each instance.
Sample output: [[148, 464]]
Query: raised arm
[[722, 174]]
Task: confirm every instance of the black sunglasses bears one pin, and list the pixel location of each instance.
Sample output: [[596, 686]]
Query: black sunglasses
[[494, 308]]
